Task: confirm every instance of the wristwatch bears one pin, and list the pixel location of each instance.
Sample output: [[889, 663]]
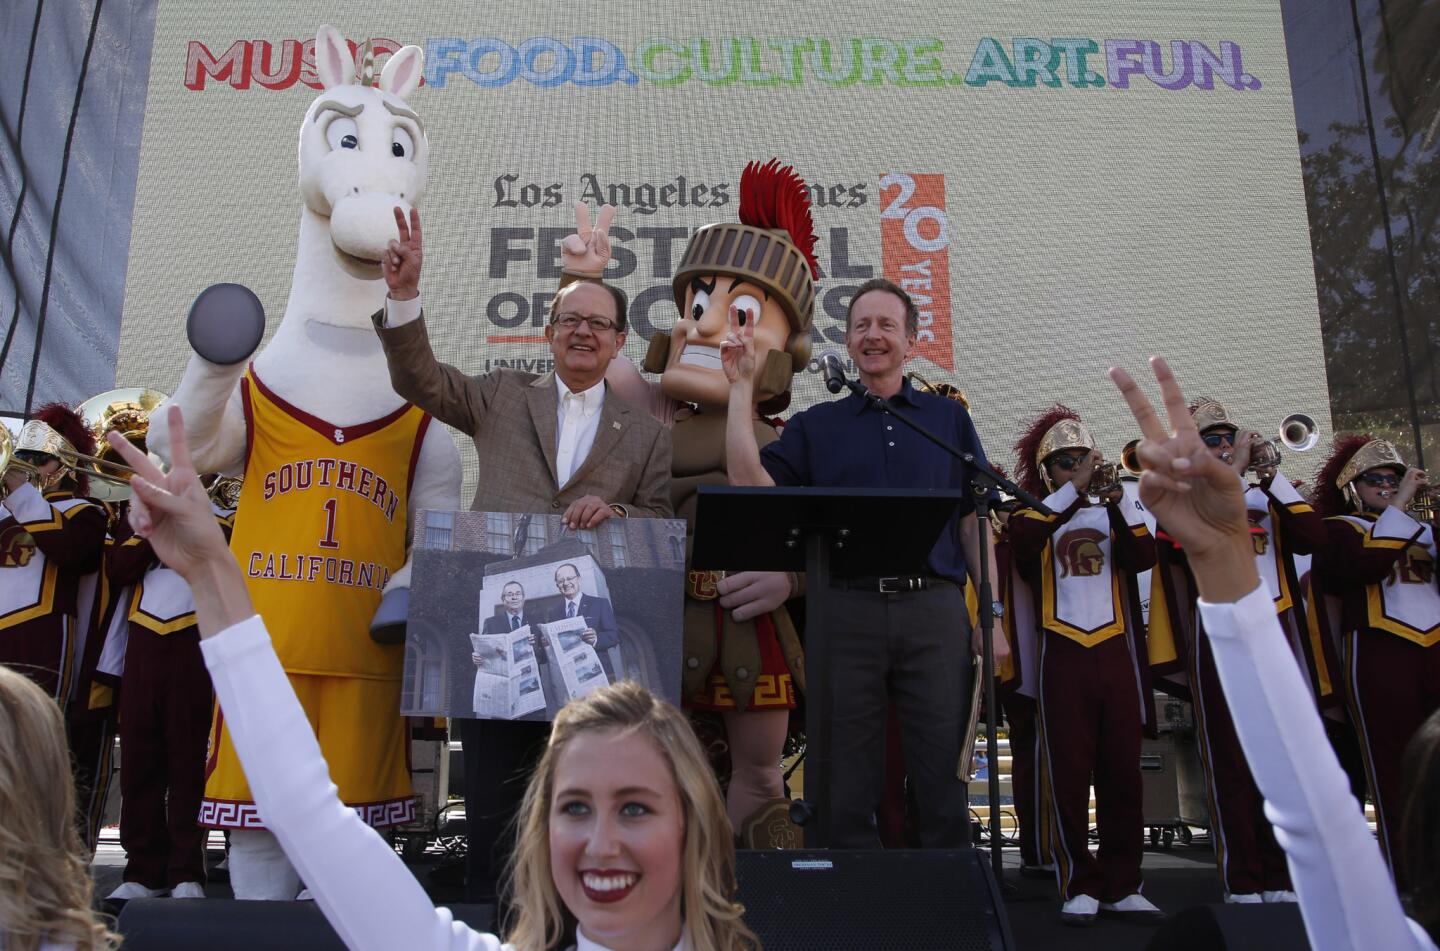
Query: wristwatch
[[997, 608]]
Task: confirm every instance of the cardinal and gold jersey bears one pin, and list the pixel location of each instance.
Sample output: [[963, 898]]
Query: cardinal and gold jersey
[[321, 527]]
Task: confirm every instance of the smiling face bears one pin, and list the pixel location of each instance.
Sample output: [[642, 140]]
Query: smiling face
[[617, 833], [692, 370], [876, 337], [567, 580], [582, 354]]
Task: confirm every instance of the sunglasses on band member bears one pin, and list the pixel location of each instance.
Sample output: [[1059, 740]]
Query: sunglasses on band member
[[1068, 462], [570, 321], [1215, 440], [1376, 480]]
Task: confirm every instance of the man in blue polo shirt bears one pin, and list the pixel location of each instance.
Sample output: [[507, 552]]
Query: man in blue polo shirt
[[906, 639]]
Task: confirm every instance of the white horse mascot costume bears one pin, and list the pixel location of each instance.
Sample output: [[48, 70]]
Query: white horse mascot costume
[[335, 462]]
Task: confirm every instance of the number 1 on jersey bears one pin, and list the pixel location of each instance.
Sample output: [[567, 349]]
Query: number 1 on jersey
[[329, 540]]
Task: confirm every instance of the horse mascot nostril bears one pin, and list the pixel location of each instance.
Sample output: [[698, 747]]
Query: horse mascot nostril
[[335, 461]]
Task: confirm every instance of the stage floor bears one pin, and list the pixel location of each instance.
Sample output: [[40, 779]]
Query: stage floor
[[1175, 879]]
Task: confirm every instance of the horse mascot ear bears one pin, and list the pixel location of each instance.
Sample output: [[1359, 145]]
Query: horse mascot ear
[[402, 72], [334, 63]]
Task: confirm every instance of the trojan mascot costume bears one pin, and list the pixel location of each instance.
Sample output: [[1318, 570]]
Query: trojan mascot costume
[[764, 268], [334, 460]]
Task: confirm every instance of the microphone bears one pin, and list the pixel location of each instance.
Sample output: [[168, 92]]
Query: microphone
[[833, 370]]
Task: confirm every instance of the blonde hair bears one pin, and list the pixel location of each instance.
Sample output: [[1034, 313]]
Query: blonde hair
[[45, 887], [713, 920]]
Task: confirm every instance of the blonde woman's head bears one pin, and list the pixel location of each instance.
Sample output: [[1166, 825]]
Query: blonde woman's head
[[623, 830], [45, 883]]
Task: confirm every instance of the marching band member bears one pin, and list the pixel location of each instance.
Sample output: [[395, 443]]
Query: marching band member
[[51, 540], [51, 536], [165, 708], [1089, 670], [1379, 562], [1250, 862]]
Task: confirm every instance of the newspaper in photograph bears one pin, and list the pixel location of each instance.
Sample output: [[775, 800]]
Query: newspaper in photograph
[[507, 676], [577, 661]]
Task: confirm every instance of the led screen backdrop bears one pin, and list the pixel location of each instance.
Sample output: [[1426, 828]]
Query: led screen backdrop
[[1062, 187]]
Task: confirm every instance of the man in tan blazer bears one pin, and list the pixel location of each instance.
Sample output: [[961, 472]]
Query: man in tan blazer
[[556, 443]]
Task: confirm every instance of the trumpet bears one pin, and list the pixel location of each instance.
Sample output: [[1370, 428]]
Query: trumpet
[[1108, 476], [1423, 507], [1298, 433]]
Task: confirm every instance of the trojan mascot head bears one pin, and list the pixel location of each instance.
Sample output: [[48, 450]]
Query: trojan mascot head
[[764, 268]]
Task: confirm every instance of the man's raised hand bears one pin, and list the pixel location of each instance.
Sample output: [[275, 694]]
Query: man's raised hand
[[587, 251], [402, 259]]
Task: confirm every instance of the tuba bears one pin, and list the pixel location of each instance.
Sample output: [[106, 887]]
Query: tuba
[[125, 410], [948, 390]]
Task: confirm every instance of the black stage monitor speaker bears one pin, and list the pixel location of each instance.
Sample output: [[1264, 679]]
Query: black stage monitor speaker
[[921, 900], [214, 924], [1275, 927]]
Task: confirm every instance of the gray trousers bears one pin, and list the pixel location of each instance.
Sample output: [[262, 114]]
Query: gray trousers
[[912, 649]]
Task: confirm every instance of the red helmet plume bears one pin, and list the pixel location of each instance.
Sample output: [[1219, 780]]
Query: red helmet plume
[[69, 424], [1027, 473], [774, 196], [1327, 497]]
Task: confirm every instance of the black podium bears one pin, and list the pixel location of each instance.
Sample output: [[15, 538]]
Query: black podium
[[819, 531]]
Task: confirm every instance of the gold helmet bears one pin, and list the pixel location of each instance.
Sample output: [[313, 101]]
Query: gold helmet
[[1208, 414], [1066, 434], [1372, 455]]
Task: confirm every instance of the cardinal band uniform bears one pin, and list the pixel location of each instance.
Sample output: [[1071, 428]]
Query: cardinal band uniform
[[313, 494]]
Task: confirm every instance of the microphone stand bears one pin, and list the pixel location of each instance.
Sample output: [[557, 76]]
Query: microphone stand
[[984, 480]]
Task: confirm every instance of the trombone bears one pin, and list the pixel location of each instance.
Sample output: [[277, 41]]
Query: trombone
[[9, 461]]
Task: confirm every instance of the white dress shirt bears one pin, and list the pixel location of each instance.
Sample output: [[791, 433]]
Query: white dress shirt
[[1346, 894], [577, 419], [371, 899], [577, 414]]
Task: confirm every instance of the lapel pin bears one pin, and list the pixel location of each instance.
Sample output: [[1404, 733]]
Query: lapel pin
[[616, 425]]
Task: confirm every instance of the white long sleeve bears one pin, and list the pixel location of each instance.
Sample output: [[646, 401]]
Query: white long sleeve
[[1346, 894], [361, 885]]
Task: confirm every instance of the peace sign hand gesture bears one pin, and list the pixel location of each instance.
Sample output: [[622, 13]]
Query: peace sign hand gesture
[[737, 350], [1197, 498], [587, 251], [402, 260]]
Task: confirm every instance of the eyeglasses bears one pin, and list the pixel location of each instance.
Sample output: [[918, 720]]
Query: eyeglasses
[[570, 321], [1067, 462], [1377, 479], [1214, 440]]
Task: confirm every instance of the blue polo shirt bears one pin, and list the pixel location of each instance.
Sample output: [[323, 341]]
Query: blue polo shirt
[[848, 443]]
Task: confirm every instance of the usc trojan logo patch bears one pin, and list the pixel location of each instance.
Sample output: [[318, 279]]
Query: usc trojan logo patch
[[1258, 536], [1415, 566], [17, 547], [1080, 553]]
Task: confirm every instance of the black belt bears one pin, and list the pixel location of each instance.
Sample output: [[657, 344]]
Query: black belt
[[892, 584]]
